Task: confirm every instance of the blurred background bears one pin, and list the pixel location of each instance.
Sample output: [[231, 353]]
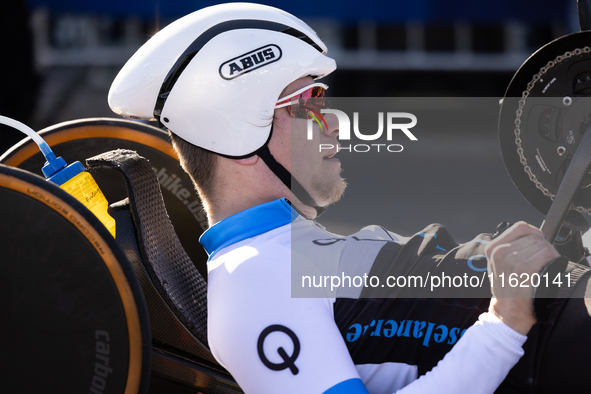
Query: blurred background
[[60, 57]]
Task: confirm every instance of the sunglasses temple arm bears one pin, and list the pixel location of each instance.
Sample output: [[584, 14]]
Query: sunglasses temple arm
[[319, 115]]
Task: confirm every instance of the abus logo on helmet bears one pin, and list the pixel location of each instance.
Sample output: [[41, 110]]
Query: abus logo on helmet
[[345, 131], [250, 61]]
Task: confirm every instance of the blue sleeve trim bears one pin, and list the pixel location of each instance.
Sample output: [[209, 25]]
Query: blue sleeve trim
[[351, 386]]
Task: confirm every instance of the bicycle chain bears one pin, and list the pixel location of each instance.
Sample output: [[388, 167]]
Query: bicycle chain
[[519, 112]]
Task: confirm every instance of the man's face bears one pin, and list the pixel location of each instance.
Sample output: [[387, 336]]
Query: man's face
[[318, 172]]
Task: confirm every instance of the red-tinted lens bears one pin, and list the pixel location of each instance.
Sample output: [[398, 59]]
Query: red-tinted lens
[[313, 99]]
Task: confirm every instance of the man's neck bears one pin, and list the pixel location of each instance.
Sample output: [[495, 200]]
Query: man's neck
[[219, 210], [246, 183]]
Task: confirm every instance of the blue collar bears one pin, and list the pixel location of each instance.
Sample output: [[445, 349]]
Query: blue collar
[[249, 223]]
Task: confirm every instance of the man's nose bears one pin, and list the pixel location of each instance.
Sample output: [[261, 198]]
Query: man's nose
[[332, 122]]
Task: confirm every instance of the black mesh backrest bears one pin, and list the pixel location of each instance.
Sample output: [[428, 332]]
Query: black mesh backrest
[[171, 270]]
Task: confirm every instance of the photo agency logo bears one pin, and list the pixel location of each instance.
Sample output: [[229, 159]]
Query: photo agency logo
[[395, 122]]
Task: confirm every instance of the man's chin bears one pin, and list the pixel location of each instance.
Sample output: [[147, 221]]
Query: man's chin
[[329, 194]]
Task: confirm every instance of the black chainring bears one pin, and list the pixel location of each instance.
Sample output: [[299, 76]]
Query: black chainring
[[544, 113]]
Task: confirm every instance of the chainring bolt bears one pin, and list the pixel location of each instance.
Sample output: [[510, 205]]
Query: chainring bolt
[[561, 150]]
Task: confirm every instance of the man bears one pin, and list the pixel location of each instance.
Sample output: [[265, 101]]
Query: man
[[235, 85]]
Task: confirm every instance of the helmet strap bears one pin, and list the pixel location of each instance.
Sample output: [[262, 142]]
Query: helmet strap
[[285, 176]]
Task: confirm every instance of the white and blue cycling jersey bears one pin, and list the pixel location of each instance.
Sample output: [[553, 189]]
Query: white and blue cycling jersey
[[277, 334]]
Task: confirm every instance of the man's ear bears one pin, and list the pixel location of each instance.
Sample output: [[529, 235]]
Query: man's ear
[[247, 161]]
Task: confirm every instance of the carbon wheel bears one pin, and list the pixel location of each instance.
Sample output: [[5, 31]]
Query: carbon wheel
[[73, 315]]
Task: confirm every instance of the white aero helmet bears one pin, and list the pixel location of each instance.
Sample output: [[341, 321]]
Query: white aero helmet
[[213, 77]]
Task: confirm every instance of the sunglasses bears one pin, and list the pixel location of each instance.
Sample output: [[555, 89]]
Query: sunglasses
[[305, 103]]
